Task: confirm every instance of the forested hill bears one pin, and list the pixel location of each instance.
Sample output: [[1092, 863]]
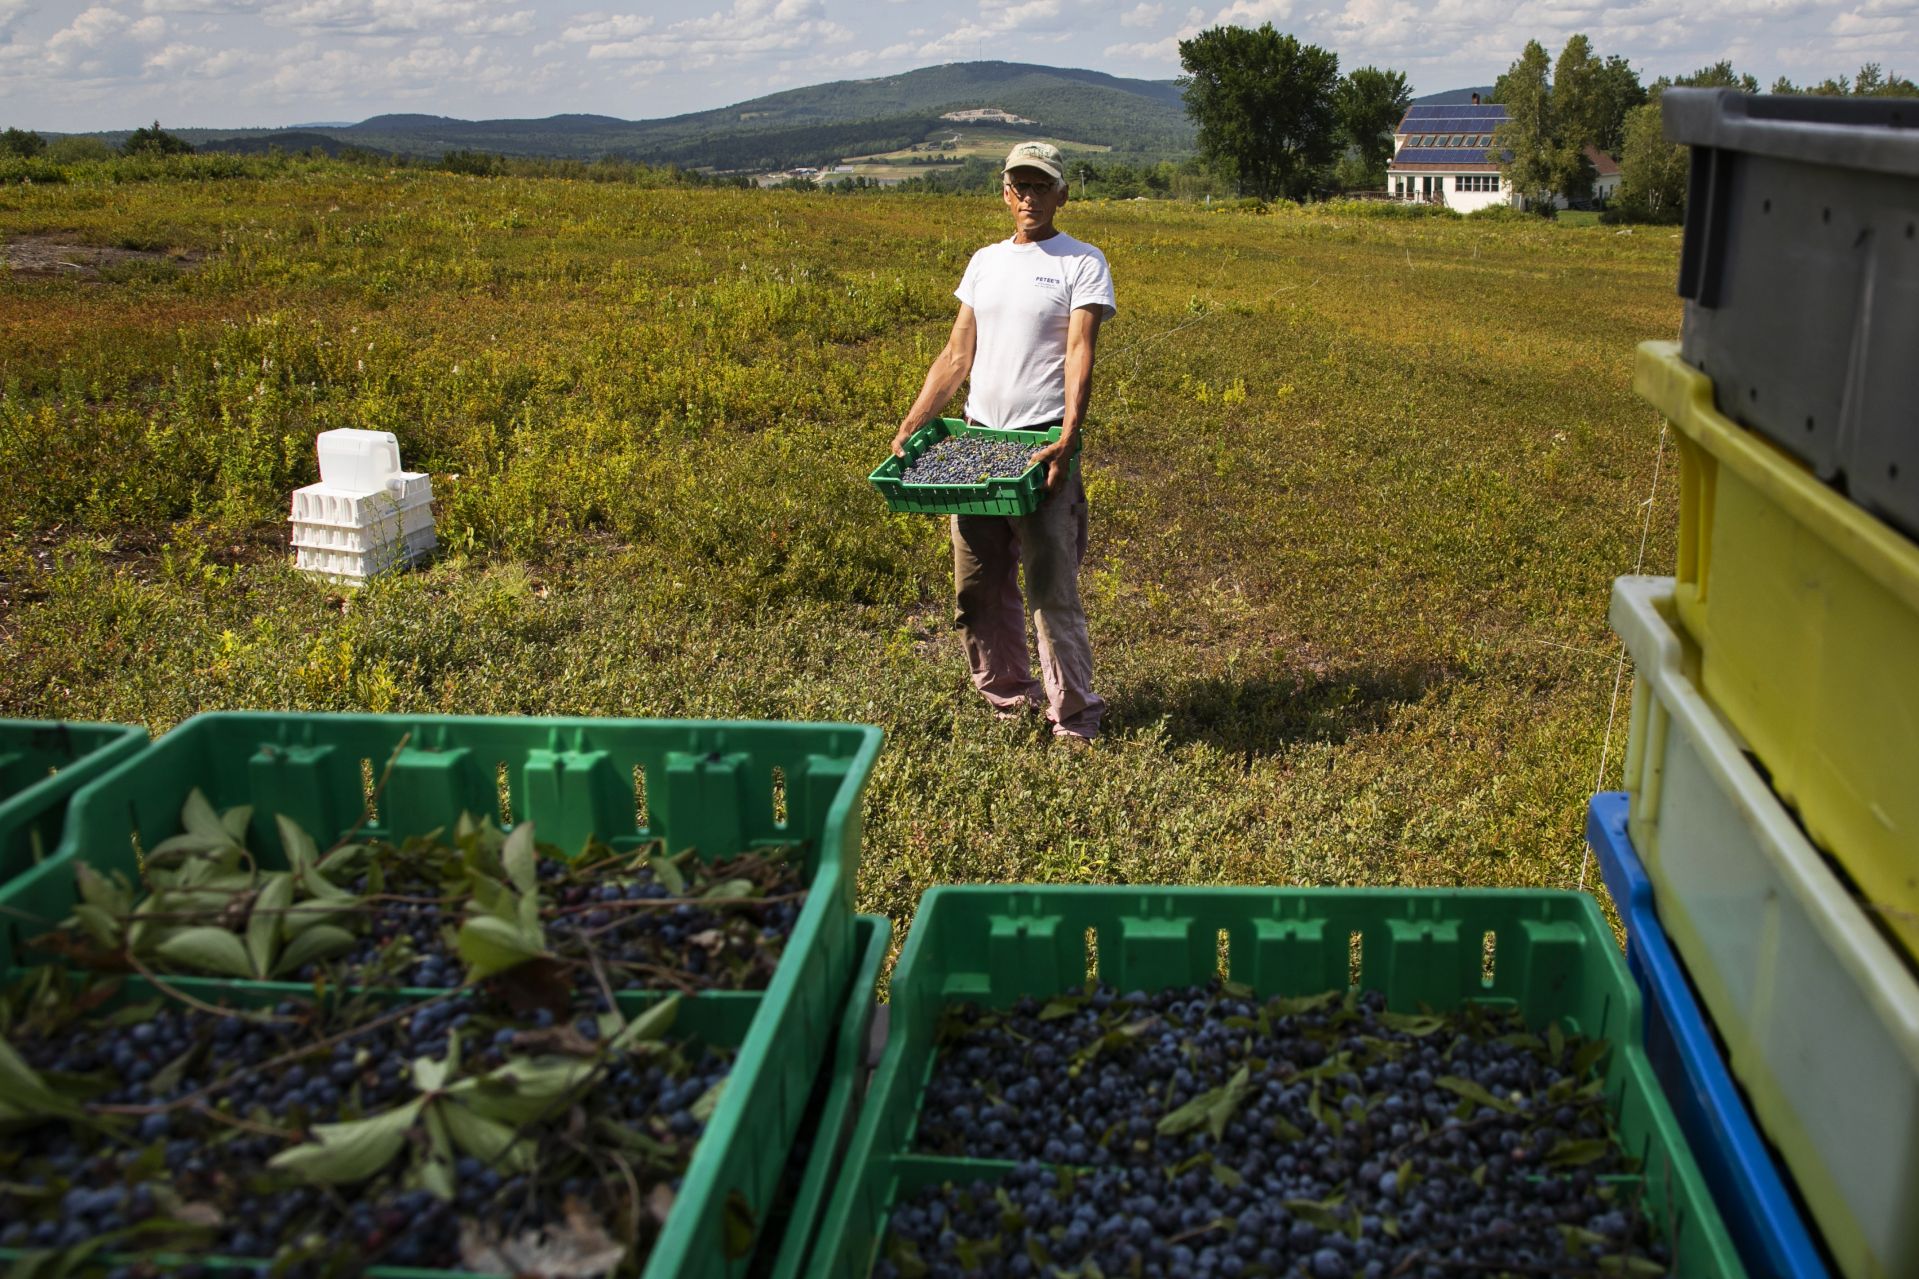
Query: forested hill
[[846, 117]]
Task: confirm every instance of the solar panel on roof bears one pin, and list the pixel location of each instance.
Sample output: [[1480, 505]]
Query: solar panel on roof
[[1459, 156], [1452, 119]]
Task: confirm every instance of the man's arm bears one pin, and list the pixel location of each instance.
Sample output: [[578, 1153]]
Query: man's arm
[[1082, 335], [943, 379]]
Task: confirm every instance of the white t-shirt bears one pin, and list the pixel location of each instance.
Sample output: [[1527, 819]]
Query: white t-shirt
[[1023, 296]]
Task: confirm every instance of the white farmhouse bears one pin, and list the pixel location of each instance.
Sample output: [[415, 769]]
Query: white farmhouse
[[1442, 155], [1605, 174]]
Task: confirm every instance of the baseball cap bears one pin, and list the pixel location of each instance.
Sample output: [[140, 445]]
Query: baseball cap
[[1043, 156]]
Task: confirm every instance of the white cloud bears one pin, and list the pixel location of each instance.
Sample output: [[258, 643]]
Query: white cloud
[[402, 17], [1166, 50], [749, 29], [1142, 15], [997, 18], [598, 28], [200, 6]]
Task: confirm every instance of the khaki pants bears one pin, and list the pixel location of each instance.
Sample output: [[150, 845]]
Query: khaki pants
[[988, 553]]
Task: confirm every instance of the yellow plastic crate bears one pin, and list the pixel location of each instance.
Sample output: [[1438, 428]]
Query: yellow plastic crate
[[1818, 1011], [1805, 608]]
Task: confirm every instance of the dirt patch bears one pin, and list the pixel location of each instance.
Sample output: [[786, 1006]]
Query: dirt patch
[[52, 255]]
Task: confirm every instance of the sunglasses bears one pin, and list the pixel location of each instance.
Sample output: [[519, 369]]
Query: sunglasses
[[1030, 190]]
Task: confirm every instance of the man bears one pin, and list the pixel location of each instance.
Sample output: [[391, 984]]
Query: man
[[1030, 311]]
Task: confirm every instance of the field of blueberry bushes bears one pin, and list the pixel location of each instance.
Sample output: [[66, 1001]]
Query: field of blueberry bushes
[[1359, 486]]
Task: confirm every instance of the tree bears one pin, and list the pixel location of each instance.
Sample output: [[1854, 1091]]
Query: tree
[[78, 149], [1527, 135], [1619, 91], [1264, 104], [1577, 94], [23, 143], [1371, 102], [155, 141], [1873, 81], [1652, 171], [1719, 75]]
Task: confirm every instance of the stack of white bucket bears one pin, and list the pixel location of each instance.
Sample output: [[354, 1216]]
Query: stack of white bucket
[[366, 515]]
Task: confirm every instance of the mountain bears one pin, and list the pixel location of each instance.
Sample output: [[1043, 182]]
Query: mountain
[[804, 126]]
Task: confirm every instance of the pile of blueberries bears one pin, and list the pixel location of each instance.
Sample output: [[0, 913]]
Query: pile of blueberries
[[969, 459], [196, 1173], [1197, 1131], [727, 947]]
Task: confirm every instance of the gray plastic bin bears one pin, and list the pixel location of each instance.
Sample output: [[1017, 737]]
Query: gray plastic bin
[[1800, 270]]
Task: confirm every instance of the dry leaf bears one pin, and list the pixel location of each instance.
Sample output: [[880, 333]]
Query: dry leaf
[[199, 1214], [580, 1249], [659, 1202]]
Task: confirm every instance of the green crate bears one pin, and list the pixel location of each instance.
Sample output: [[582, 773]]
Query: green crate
[[1553, 957], [710, 784], [841, 1088], [42, 763], [1019, 495]]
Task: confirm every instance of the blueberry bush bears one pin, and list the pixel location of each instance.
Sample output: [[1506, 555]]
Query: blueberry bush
[[1358, 487]]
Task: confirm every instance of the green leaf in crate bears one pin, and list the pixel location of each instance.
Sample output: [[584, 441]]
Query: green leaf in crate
[[648, 1027], [729, 890], [235, 822], [488, 1140], [522, 1091], [1572, 1153], [667, 871], [197, 817], [208, 949], [24, 1095], [322, 941], [100, 925], [520, 859], [1319, 1212], [97, 890], [740, 1227], [1590, 1054], [489, 945], [1415, 1024], [1475, 1092], [1213, 1108], [265, 918], [341, 1154]]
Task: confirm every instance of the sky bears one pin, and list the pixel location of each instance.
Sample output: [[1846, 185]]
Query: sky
[[77, 65]]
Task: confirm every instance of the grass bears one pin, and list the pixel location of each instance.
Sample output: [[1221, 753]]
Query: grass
[[1359, 488]]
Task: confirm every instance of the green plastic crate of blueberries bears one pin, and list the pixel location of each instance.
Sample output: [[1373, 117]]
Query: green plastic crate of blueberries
[[1548, 955], [1012, 495], [718, 1022], [42, 763], [719, 787]]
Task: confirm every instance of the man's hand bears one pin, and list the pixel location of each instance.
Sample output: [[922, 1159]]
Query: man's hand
[[1058, 459], [905, 433]]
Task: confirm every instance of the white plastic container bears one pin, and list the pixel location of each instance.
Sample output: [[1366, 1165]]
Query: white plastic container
[[326, 504], [371, 537], [357, 566], [1818, 1011], [358, 461]]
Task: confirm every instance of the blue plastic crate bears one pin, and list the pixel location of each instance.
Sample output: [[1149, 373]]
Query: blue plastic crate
[[1766, 1225]]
